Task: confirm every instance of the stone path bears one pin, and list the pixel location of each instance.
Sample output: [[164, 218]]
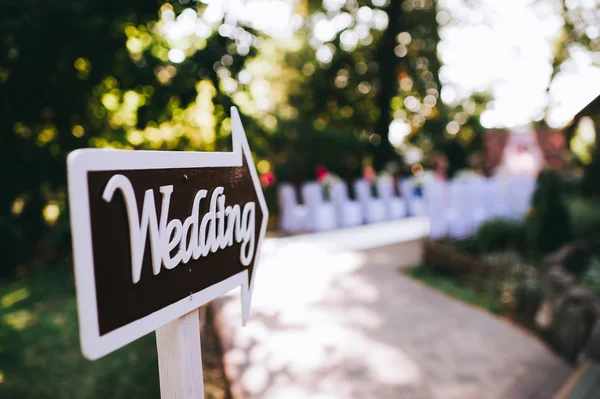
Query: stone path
[[341, 324]]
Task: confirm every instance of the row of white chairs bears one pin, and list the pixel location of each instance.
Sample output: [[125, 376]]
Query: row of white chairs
[[455, 208], [318, 214]]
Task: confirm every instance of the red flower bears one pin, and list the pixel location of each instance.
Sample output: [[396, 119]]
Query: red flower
[[267, 179], [322, 172]]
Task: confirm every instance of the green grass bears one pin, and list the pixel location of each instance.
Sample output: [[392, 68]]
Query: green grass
[[40, 356], [452, 285]]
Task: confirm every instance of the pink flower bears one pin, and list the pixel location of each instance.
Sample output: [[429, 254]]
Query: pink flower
[[322, 173], [267, 179], [369, 174]]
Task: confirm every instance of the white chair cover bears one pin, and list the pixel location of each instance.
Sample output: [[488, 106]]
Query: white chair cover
[[476, 200], [373, 208], [293, 217], [349, 213], [395, 205], [415, 205], [436, 201], [496, 198], [321, 214], [521, 190], [461, 216]]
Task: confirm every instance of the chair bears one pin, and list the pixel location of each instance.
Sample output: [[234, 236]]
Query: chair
[[293, 216], [495, 202], [461, 221], [415, 205], [373, 208], [521, 190], [394, 205], [437, 208], [476, 200], [321, 213], [349, 213]]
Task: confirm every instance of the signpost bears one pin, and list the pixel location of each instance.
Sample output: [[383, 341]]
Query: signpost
[[157, 234]]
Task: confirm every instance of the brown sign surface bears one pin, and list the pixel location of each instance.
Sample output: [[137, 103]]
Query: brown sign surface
[[120, 301]]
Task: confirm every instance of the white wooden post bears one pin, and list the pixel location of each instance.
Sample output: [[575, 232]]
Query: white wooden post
[[180, 358]]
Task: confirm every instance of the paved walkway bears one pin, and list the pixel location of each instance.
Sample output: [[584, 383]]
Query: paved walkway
[[340, 324]]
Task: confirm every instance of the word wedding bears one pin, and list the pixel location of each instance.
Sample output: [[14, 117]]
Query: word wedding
[[192, 238]]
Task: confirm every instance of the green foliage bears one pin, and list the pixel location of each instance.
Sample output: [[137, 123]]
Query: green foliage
[[506, 257], [452, 284], [495, 236], [548, 226], [590, 183], [591, 278], [585, 217], [312, 148], [40, 356], [527, 297], [366, 87], [577, 263], [575, 32], [89, 74], [270, 194], [500, 234], [468, 246], [571, 183], [39, 336]]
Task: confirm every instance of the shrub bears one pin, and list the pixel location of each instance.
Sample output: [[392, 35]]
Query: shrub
[[547, 225], [591, 176], [577, 262], [591, 278], [585, 218], [500, 234], [13, 247], [270, 193], [467, 246]]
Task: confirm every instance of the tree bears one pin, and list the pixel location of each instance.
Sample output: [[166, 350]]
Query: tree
[[579, 32], [590, 186], [365, 64], [548, 223], [162, 74], [87, 73]]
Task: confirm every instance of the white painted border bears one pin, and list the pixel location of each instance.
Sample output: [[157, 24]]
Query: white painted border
[[80, 162], [358, 238]]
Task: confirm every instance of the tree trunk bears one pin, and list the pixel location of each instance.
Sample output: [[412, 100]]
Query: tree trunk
[[388, 62]]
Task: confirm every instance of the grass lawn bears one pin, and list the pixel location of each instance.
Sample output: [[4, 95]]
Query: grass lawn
[[40, 355], [451, 284]]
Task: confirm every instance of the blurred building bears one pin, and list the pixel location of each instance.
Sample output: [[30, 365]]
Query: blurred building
[[523, 151]]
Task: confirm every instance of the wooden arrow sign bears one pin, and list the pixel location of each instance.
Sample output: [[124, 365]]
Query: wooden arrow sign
[[157, 234]]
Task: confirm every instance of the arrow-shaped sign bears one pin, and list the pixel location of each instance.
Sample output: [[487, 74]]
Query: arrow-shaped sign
[[157, 234]]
